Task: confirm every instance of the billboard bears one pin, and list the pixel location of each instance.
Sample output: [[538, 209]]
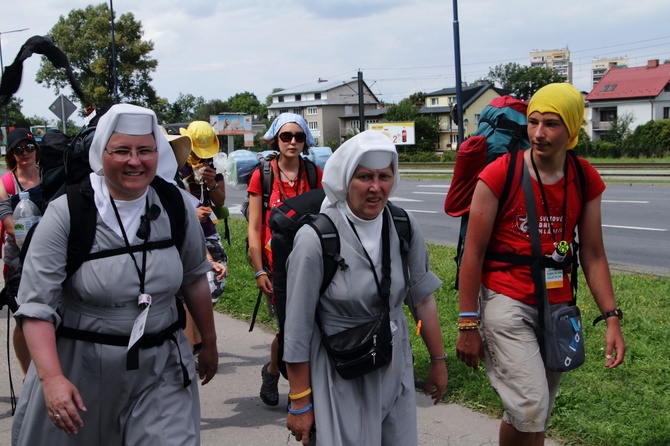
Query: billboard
[[231, 124], [401, 133]]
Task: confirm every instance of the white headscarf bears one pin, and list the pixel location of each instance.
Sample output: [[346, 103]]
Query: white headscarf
[[371, 149], [131, 120], [367, 146]]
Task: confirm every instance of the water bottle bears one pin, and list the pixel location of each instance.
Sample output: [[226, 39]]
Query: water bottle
[[26, 215]]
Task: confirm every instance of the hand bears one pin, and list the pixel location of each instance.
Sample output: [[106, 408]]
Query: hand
[[203, 213], [264, 284], [63, 403], [437, 380], [615, 348], [208, 362], [300, 425], [208, 175], [469, 347], [220, 269]]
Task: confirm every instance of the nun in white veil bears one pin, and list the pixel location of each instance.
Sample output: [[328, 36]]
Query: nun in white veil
[[83, 387], [378, 408]]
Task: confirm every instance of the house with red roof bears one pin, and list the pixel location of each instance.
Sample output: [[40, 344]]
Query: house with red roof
[[640, 92]]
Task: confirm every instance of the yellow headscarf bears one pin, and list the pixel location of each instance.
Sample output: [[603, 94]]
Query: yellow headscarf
[[564, 100]]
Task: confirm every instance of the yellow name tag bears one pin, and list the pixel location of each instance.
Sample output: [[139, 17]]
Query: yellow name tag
[[553, 278]]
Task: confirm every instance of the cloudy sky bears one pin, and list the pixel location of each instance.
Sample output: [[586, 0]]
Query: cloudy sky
[[218, 48]]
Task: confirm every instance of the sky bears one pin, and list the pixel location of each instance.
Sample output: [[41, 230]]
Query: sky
[[216, 49]]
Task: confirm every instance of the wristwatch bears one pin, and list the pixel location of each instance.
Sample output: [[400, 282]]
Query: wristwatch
[[216, 186], [616, 312]]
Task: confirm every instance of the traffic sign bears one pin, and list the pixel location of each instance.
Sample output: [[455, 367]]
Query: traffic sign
[[62, 107]]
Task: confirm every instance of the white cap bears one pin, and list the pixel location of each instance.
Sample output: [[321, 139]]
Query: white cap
[[24, 194]]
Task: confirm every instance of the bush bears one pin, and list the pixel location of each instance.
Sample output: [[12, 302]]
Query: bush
[[650, 140]]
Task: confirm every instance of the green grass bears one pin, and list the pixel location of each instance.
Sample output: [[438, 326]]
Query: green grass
[[629, 405]]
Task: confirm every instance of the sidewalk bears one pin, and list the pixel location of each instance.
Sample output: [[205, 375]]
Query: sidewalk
[[233, 414]]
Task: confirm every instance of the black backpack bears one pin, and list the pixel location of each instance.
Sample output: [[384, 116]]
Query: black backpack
[[267, 178], [291, 215]]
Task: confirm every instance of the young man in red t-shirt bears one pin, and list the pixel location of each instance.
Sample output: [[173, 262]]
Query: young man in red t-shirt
[[503, 298]]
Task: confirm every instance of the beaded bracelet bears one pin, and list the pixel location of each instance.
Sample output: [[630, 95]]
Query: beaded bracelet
[[439, 358], [259, 273], [307, 408], [468, 325], [468, 314], [297, 396]]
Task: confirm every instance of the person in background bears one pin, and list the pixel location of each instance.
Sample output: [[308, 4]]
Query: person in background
[[290, 137], [181, 146], [22, 158], [378, 408], [504, 298], [111, 364]]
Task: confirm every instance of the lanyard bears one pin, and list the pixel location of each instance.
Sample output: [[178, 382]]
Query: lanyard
[[145, 229], [544, 197]]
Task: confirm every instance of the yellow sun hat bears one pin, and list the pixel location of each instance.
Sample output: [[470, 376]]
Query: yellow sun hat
[[204, 142]]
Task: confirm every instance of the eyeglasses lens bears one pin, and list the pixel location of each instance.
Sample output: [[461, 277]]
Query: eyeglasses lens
[[288, 136]]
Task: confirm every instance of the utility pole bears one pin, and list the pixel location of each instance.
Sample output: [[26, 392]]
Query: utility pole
[[116, 81], [361, 102], [459, 87]]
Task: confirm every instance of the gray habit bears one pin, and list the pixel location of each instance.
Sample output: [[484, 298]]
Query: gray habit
[[378, 408], [145, 406]]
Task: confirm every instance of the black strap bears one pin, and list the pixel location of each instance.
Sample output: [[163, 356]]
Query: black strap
[[536, 270], [256, 307]]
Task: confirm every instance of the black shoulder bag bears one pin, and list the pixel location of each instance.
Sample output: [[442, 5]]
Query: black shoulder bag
[[562, 337], [359, 350]]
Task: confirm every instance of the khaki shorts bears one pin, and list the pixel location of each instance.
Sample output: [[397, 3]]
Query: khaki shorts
[[514, 364]]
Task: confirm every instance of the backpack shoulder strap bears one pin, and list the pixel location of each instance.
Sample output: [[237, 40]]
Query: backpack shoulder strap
[[8, 181], [310, 170], [513, 178], [579, 174], [266, 182], [83, 216], [330, 245], [173, 203]]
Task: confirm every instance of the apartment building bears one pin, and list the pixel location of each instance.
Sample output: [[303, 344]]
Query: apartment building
[[601, 65], [327, 106], [557, 60]]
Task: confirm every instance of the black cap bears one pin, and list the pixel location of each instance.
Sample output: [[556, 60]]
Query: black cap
[[17, 135]]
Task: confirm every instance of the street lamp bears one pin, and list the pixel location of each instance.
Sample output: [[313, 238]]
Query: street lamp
[[2, 70]]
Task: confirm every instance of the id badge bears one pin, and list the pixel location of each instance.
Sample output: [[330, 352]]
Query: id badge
[[553, 278], [138, 327]]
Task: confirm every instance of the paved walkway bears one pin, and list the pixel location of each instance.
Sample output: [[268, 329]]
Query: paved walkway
[[233, 414]]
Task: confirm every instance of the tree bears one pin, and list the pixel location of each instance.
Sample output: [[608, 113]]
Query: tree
[[621, 129], [522, 81], [85, 37], [181, 110], [213, 107], [246, 103], [15, 116]]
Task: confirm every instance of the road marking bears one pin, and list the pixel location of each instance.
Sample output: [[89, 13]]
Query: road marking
[[639, 228], [410, 200], [626, 201], [441, 186], [429, 193], [416, 211]]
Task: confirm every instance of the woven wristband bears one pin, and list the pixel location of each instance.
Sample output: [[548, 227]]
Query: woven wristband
[[468, 314], [259, 273]]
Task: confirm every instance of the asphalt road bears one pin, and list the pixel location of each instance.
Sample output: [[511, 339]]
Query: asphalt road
[[636, 220]]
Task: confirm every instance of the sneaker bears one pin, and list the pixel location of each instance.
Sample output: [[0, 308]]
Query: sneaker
[[269, 390]]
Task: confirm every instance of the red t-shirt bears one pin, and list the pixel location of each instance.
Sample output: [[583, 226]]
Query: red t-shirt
[[510, 231], [281, 190]]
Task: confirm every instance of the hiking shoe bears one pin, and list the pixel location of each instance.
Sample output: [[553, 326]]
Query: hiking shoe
[[269, 390]]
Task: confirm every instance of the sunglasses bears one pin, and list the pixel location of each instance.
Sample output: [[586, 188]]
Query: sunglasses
[[288, 137], [30, 148]]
